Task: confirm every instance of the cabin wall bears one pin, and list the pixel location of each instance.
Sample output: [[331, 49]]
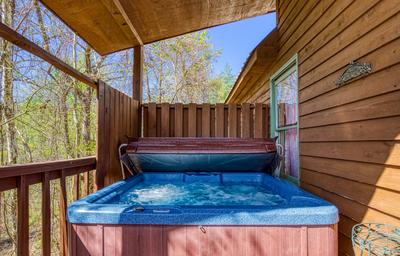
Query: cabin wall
[[349, 135]]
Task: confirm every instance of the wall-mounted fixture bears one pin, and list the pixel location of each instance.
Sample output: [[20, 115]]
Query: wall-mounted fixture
[[353, 70]]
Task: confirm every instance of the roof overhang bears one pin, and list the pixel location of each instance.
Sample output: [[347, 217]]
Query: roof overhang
[[259, 61], [113, 25]]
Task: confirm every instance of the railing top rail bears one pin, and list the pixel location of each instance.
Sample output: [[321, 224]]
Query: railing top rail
[[33, 168], [14, 37], [199, 105]]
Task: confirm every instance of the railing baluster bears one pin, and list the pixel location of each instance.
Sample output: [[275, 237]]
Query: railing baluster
[[86, 182], [245, 122], [219, 120], [165, 120], [63, 220], [152, 120], [232, 120], [258, 121], [178, 120], [77, 187], [192, 120], [94, 188], [23, 216], [46, 215], [205, 120]]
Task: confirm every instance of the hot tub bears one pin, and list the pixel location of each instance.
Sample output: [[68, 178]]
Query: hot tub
[[291, 221], [202, 213]]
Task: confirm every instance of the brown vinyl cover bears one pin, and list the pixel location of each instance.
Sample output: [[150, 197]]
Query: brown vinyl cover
[[200, 145]]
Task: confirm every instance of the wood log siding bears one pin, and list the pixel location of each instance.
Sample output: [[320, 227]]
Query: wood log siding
[[205, 120], [349, 135], [20, 177]]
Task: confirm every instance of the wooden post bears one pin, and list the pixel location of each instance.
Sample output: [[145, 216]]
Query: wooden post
[[46, 215], [219, 120], [63, 216], [137, 73], [23, 217], [137, 91], [258, 121], [102, 135], [232, 120]]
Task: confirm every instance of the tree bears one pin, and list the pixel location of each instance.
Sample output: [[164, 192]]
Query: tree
[[221, 85], [7, 84], [179, 69]]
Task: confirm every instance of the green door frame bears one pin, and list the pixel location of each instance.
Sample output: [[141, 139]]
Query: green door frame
[[292, 63]]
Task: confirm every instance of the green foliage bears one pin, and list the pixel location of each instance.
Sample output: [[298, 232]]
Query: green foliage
[[180, 70], [221, 85]]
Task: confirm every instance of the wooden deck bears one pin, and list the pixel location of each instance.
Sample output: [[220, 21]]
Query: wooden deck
[[349, 135]]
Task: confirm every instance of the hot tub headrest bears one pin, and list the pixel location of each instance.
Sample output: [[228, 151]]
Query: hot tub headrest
[[202, 154]]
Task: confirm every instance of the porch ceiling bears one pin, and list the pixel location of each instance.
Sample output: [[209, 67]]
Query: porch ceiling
[[113, 25]]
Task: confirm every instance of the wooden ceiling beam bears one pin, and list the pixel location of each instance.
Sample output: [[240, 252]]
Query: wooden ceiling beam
[[128, 20], [14, 37]]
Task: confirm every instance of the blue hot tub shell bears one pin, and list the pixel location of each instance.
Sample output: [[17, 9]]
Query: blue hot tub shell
[[300, 208]]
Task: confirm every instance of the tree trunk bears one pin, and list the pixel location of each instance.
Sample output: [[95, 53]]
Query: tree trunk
[[65, 122], [87, 107], [8, 8], [42, 27], [8, 112], [87, 97], [77, 119], [148, 87]]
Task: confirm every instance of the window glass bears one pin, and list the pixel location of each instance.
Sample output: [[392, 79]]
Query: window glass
[[286, 99]]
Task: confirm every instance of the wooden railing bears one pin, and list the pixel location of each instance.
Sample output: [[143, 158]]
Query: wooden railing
[[20, 177], [205, 120], [117, 117]]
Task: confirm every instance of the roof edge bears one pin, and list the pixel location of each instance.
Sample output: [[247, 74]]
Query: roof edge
[[267, 41]]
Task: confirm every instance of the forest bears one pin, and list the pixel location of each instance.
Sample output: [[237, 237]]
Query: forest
[[47, 115]]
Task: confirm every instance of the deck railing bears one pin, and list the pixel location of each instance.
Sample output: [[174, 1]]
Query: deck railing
[[20, 177], [205, 120]]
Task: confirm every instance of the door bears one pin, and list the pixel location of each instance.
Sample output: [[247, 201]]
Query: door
[[284, 117]]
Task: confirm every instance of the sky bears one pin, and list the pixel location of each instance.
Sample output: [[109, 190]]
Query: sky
[[236, 40]]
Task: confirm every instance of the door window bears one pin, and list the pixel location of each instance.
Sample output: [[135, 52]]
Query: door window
[[284, 113]]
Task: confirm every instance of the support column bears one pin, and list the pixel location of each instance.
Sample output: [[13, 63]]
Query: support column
[[138, 73], [103, 136]]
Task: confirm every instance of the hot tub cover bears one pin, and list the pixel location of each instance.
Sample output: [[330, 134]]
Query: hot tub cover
[[202, 154]]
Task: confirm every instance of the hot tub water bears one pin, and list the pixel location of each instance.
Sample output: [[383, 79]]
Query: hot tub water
[[198, 194]]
